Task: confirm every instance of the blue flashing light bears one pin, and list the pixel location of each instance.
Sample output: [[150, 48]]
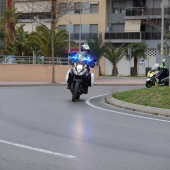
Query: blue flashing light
[[74, 57]]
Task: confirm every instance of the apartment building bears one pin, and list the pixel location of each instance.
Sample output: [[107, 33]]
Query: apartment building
[[116, 21], [127, 23]]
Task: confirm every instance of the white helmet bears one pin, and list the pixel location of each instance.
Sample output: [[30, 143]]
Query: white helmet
[[85, 47], [163, 60]]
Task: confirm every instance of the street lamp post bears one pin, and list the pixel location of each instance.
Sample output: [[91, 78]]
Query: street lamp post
[[162, 30], [80, 26], [69, 37], [130, 55], [69, 22], [53, 17], [52, 49]]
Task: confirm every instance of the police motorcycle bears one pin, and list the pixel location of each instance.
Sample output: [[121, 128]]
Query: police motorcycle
[[154, 77], [79, 77]]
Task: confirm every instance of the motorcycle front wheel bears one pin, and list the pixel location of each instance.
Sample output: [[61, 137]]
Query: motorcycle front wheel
[[75, 92], [149, 84]]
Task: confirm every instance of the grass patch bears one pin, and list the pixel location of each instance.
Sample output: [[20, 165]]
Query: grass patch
[[158, 96]]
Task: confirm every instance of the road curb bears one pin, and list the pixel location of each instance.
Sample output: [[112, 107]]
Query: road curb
[[134, 107]]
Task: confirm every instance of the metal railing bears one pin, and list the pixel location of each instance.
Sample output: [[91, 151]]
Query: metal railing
[[133, 36], [5, 59], [85, 36], [124, 35], [141, 11], [41, 15]]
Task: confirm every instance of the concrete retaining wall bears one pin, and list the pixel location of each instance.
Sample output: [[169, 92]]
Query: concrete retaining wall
[[35, 73]]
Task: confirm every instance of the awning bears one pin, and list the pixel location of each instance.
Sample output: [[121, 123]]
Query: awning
[[132, 25]]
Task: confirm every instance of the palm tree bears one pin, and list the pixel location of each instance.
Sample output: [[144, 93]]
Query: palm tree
[[2, 35], [10, 17], [19, 46], [114, 56], [41, 38], [97, 49], [21, 41], [137, 51]]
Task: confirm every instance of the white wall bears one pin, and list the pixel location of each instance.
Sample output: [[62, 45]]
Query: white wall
[[124, 66]]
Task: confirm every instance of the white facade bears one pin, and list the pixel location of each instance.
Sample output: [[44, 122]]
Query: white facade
[[124, 64]]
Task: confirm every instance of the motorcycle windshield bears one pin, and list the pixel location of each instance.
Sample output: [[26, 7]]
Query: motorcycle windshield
[[155, 67]]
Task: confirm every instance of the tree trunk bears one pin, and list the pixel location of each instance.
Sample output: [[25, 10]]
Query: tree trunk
[[100, 72], [114, 70], [135, 66]]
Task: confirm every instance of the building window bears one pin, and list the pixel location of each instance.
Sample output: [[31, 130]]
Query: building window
[[62, 27], [94, 7], [117, 27], [118, 6], [77, 7], [122, 10], [2, 6], [115, 10], [76, 28], [93, 28], [118, 10], [63, 8]]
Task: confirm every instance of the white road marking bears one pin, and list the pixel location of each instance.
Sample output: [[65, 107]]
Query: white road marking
[[37, 149], [122, 113]]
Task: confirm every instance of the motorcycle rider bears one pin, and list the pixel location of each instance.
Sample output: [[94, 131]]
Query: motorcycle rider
[[85, 49], [164, 72], [163, 64]]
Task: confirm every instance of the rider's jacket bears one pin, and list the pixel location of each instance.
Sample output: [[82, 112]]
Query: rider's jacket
[[162, 66]]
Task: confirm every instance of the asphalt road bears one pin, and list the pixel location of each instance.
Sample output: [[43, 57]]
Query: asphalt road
[[42, 129]]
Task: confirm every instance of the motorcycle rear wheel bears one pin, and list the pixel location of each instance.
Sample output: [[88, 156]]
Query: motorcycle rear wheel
[[167, 83], [75, 92], [149, 84]]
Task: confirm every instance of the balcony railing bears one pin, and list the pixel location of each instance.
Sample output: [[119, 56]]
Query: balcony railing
[[85, 36], [152, 36], [145, 11], [132, 36], [31, 15], [124, 35]]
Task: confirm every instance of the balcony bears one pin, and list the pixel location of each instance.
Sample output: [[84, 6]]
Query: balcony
[[152, 36], [85, 36], [31, 15], [129, 37], [145, 12]]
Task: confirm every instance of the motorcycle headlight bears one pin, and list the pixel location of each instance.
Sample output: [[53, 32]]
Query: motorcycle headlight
[[79, 68]]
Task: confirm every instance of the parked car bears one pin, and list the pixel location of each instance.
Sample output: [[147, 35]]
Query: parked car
[[9, 60]]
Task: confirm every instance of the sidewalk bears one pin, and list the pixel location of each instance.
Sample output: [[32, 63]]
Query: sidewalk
[[132, 81]]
